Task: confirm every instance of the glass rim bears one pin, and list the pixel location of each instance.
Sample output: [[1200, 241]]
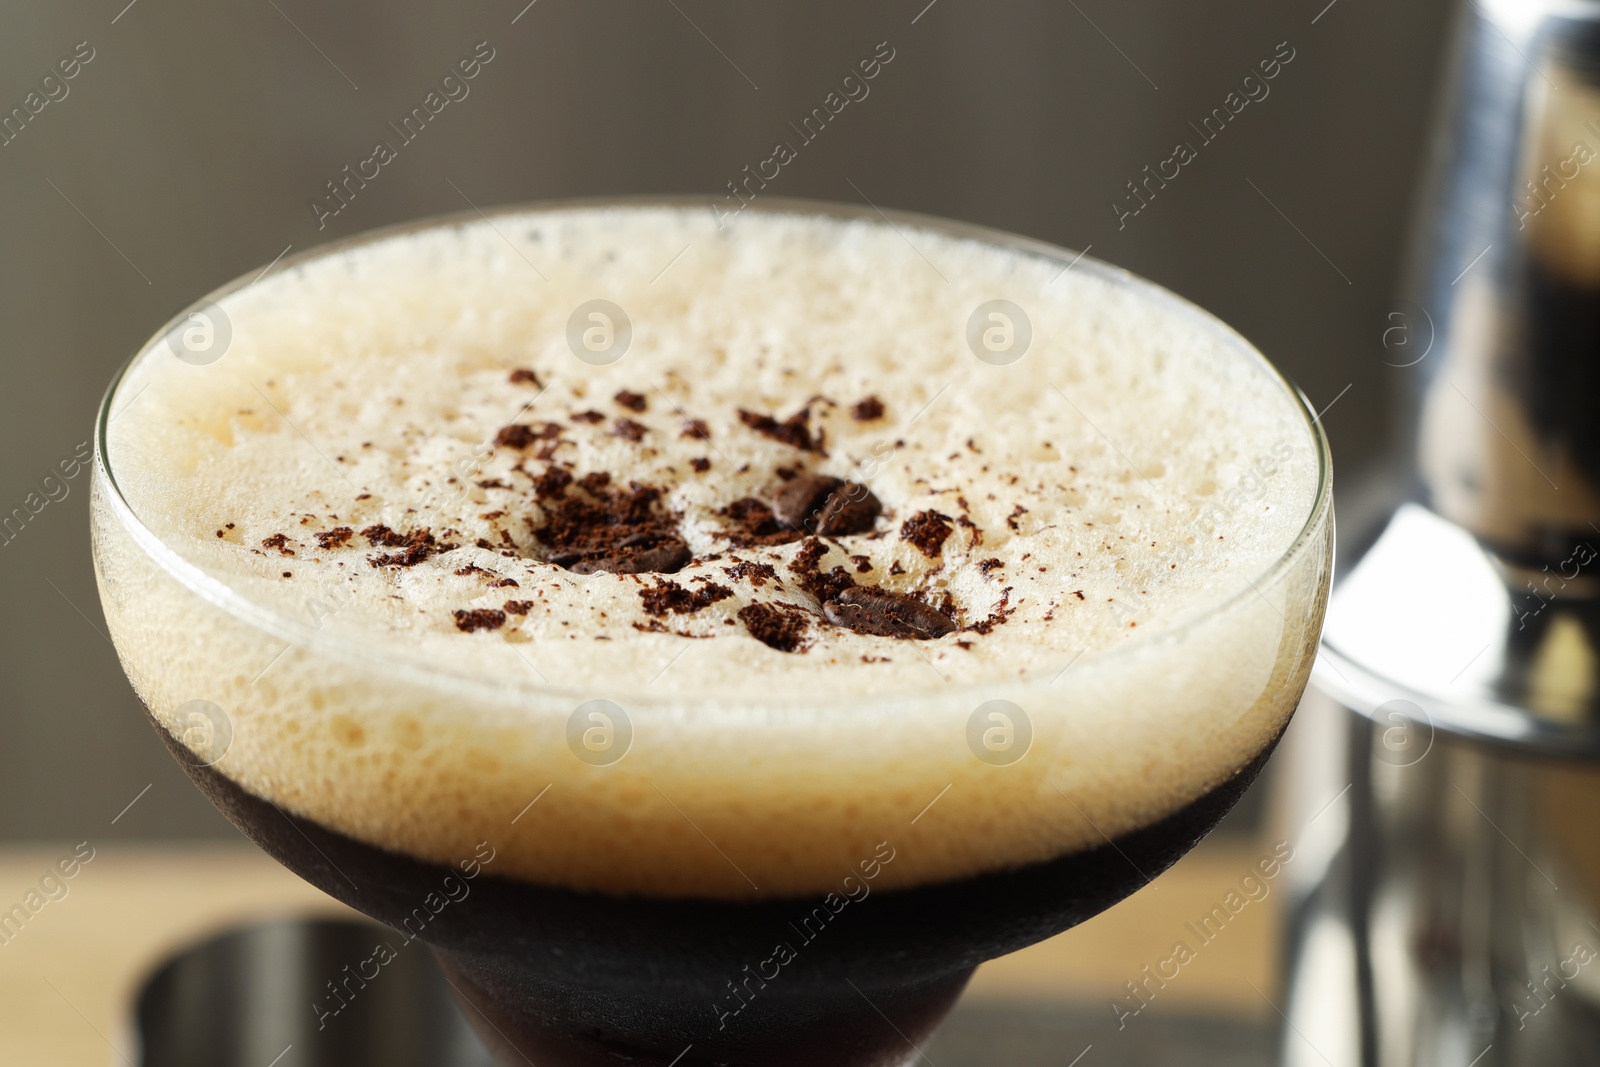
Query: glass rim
[[296, 632]]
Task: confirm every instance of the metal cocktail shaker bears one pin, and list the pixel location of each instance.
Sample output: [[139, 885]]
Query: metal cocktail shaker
[[1449, 911]]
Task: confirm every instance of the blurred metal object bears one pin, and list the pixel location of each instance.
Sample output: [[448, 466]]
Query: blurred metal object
[[1431, 624], [1509, 272], [1455, 915], [1448, 916], [252, 996], [302, 993]]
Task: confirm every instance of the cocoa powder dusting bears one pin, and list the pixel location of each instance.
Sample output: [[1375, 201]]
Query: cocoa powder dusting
[[337, 537], [415, 546], [927, 530], [867, 409], [552, 483], [751, 523], [623, 531], [795, 431], [779, 626], [1002, 611], [521, 436], [278, 541], [757, 574], [479, 619], [668, 596], [806, 567]]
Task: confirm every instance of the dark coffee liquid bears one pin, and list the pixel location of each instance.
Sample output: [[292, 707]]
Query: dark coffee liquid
[[568, 979]]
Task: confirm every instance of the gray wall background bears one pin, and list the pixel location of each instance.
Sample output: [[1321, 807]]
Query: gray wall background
[[188, 148]]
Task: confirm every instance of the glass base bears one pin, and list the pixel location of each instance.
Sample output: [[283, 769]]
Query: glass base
[[569, 979], [522, 1019]]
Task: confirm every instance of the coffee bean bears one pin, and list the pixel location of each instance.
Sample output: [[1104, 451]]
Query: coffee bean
[[851, 509], [871, 610], [801, 497], [644, 554], [825, 505]]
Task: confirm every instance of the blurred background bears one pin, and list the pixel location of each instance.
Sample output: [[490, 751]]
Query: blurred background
[[190, 148], [195, 138]]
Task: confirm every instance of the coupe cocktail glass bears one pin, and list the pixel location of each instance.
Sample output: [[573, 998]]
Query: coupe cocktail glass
[[554, 975]]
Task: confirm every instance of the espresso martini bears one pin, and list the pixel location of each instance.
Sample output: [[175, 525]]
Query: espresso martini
[[777, 620]]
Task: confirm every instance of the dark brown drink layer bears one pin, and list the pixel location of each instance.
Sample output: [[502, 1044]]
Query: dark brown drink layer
[[587, 978]]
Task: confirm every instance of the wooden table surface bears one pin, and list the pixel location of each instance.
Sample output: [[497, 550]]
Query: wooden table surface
[[67, 975]]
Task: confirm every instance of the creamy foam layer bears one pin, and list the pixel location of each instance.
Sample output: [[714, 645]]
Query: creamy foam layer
[[387, 463]]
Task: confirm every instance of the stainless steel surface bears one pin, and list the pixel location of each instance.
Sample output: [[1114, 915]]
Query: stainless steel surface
[[1508, 444], [253, 993], [1431, 625], [1454, 920], [301, 993], [1479, 601]]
